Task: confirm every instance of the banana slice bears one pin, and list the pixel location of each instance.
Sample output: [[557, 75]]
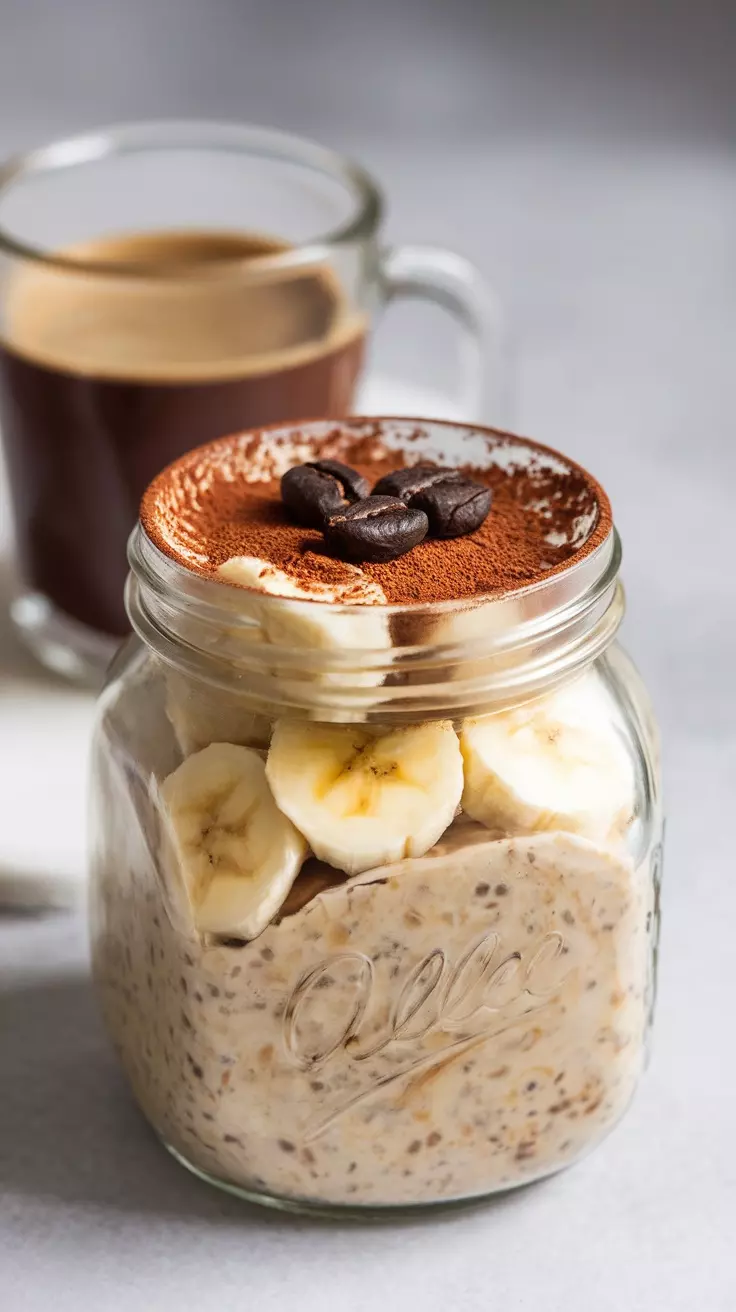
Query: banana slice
[[557, 763], [320, 627], [238, 855], [362, 799]]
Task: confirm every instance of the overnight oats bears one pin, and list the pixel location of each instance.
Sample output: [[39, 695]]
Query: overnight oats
[[376, 824]]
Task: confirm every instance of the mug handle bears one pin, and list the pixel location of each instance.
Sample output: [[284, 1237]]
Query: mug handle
[[430, 273]]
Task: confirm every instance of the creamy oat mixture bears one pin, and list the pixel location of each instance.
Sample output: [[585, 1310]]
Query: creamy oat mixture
[[435, 1028]]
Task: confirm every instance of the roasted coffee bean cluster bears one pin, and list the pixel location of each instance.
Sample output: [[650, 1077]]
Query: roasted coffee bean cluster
[[381, 525]]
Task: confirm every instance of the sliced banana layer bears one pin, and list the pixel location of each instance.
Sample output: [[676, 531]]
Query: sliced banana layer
[[362, 799], [237, 853], [317, 627], [557, 763]]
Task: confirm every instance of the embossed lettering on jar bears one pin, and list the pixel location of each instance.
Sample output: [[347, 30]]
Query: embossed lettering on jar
[[376, 882]]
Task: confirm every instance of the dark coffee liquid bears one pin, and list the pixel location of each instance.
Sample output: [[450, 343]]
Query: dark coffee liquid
[[104, 380]]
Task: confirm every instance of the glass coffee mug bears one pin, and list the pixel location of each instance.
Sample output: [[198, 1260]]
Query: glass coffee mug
[[161, 285]]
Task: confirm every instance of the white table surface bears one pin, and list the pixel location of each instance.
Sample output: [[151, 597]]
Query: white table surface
[[616, 255]]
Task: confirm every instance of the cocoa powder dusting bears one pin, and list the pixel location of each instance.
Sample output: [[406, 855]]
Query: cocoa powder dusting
[[223, 500]]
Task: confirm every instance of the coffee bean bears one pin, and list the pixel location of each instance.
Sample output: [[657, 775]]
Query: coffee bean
[[454, 509], [319, 489], [406, 483], [354, 486], [454, 504], [376, 529], [310, 495]]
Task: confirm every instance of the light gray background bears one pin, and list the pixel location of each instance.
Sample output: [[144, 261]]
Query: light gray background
[[581, 154]]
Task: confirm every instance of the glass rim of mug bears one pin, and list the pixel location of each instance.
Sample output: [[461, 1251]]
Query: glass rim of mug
[[181, 134]]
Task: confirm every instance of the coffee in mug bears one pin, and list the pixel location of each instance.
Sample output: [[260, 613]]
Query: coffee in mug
[[101, 386]]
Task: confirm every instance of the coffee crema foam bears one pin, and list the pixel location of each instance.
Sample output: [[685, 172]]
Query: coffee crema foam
[[223, 500], [175, 307]]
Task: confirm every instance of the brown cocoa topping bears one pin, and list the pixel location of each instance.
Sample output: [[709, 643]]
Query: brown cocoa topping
[[224, 500]]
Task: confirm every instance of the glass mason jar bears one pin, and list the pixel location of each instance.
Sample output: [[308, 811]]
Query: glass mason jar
[[433, 1027]]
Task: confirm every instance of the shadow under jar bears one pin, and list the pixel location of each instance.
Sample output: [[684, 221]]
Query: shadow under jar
[[375, 887]]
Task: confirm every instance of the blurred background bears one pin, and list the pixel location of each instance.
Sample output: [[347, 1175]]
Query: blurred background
[[575, 151], [581, 154]]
